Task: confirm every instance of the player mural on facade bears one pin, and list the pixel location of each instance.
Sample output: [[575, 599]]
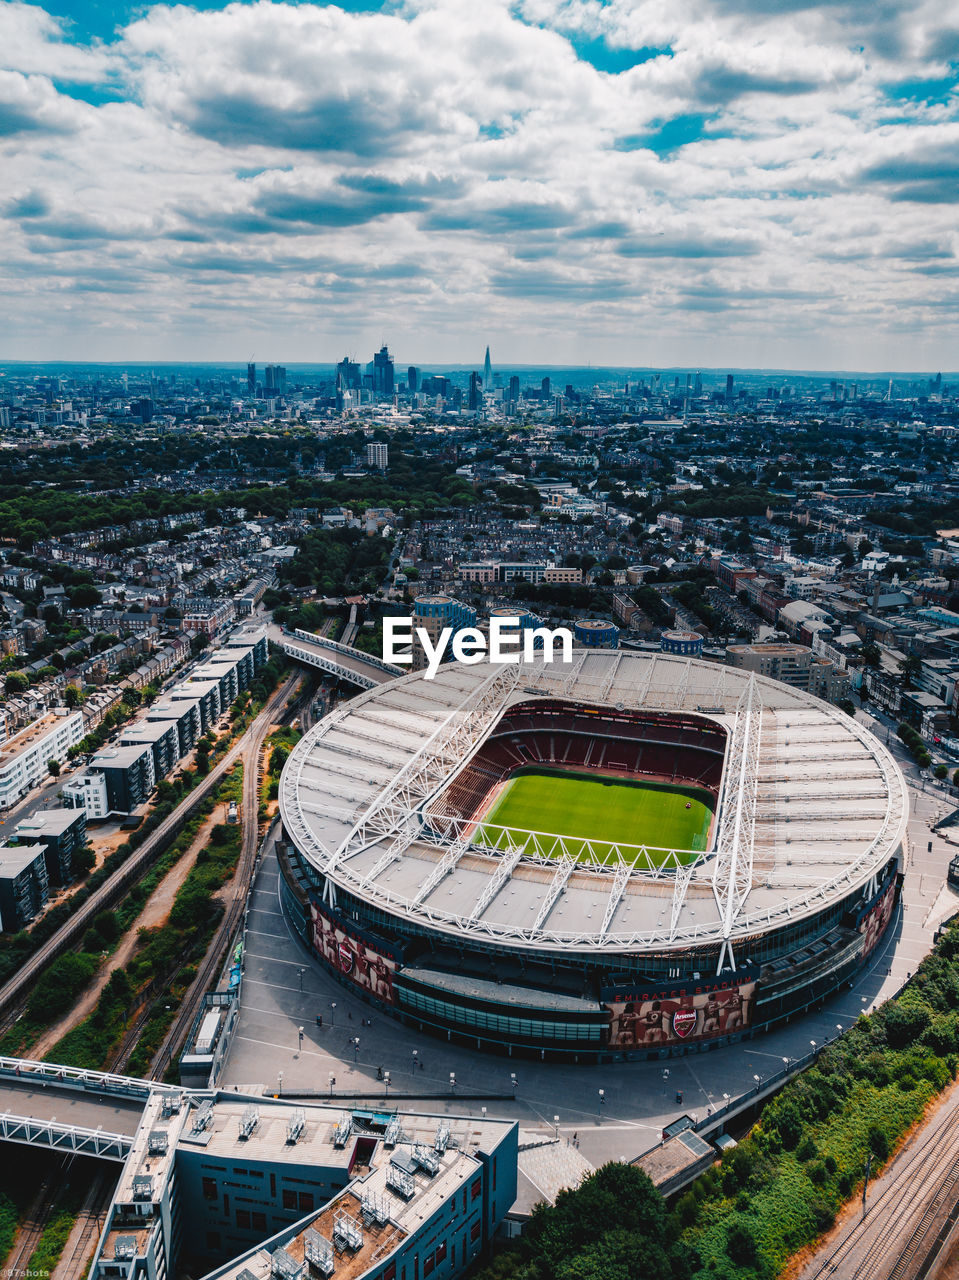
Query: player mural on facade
[[677, 1019], [349, 955]]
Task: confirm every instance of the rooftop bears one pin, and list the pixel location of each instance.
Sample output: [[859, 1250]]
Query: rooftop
[[830, 806], [30, 735]]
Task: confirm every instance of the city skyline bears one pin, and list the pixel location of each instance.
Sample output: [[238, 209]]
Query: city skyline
[[723, 184]]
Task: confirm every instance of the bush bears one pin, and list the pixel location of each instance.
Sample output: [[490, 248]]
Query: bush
[[941, 772], [741, 1245], [806, 1150]]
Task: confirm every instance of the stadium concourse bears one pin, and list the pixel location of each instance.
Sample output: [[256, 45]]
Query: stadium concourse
[[580, 945]]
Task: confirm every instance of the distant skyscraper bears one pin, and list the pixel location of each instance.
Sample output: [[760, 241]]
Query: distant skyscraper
[[251, 378], [339, 392], [377, 455], [698, 385], [348, 372], [274, 380], [412, 379], [474, 391], [382, 373], [546, 391], [487, 373], [729, 387], [514, 389]]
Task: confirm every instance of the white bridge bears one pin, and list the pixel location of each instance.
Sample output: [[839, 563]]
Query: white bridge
[[335, 659], [69, 1109]]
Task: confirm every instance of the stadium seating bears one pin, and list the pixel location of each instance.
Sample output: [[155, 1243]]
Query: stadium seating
[[654, 746]]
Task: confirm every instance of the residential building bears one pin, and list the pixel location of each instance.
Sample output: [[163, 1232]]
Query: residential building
[[118, 781], [24, 757], [160, 736], [62, 832], [24, 885]]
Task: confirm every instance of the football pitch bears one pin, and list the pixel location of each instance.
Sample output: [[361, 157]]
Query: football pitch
[[604, 810]]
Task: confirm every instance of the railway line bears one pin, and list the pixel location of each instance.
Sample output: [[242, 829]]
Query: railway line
[[893, 1239], [15, 993], [240, 885], [86, 1232], [44, 1205]]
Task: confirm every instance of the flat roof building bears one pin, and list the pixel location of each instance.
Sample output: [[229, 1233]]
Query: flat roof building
[[24, 757], [24, 885]]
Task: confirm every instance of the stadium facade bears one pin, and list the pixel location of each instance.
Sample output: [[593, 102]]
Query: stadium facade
[[538, 942]]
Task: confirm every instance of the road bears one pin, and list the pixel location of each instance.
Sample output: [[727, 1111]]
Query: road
[[138, 862]]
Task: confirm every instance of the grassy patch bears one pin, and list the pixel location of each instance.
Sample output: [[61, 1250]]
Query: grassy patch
[[165, 959], [55, 1235], [604, 810]]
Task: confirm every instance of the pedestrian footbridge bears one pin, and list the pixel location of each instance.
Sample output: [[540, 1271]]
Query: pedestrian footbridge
[[335, 659], [71, 1110]]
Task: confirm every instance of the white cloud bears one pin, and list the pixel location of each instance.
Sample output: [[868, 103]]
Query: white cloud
[[748, 190]]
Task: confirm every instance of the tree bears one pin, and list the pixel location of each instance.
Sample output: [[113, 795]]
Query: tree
[[941, 771], [870, 654], [72, 696], [16, 682], [84, 860], [911, 669], [53, 767]]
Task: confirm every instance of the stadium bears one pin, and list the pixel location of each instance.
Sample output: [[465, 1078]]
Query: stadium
[[626, 856]]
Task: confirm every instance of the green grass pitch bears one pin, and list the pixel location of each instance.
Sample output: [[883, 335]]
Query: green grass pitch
[[577, 805]]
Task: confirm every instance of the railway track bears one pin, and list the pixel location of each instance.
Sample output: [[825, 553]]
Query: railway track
[[83, 1239], [212, 960], [890, 1238], [37, 1217], [15, 993]]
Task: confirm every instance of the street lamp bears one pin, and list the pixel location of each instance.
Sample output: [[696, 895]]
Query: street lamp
[[556, 1126], [332, 1012], [416, 1054], [386, 1082], [839, 1029], [483, 1110], [279, 1082], [665, 1080], [299, 1039], [356, 1049], [301, 971], [601, 1103], [813, 1045], [332, 1083], [452, 1082], [512, 1080]]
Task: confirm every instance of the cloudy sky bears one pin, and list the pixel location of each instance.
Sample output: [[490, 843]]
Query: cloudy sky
[[702, 182]]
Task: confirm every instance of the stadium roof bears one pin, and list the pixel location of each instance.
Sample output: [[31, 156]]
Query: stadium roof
[[811, 807]]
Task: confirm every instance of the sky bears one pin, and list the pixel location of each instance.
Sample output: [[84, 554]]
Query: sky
[[677, 182]]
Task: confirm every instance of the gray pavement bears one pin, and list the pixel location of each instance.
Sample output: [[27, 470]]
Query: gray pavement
[[81, 1107]]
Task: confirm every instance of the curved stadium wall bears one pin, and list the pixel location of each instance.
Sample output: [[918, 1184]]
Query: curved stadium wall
[[403, 880]]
